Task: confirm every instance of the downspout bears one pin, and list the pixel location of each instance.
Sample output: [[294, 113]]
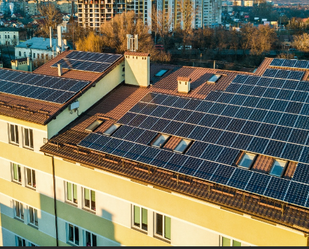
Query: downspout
[[55, 199]]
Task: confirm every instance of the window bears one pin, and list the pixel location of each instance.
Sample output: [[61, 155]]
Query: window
[[71, 192], [94, 125], [16, 173], [277, 168], [214, 78], [112, 129], [246, 160], [20, 241], [73, 234], [140, 219], [163, 226], [89, 199], [30, 178], [229, 242], [33, 55], [90, 239], [19, 53], [162, 71], [33, 216], [13, 133], [160, 140], [18, 210], [183, 144], [28, 138]]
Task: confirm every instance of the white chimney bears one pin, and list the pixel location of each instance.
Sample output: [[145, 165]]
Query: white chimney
[[59, 36], [50, 37], [59, 69], [183, 84]]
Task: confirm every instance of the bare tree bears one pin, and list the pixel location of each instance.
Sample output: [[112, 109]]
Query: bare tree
[[92, 43], [301, 42], [51, 18], [262, 40]]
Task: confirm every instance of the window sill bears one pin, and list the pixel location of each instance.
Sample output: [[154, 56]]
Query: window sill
[[139, 230], [28, 148], [72, 243], [12, 143], [19, 219], [19, 183], [71, 203], [89, 210], [30, 187], [161, 238], [33, 226]]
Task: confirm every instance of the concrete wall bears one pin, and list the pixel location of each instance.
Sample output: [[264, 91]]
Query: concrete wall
[[137, 70]]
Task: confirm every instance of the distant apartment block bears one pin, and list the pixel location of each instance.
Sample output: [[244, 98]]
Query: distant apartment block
[[9, 36], [93, 13]]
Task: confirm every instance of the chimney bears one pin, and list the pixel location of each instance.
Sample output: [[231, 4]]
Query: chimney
[[50, 37], [184, 84], [59, 36], [59, 69]]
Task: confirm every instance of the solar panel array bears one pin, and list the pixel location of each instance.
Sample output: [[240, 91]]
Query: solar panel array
[[88, 61], [290, 63], [265, 115], [41, 87]]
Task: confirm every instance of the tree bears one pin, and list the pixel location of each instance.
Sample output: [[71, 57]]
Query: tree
[[301, 42], [75, 32], [114, 35], [51, 18], [92, 43], [263, 39]]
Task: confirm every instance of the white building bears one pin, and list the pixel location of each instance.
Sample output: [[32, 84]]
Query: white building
[[9, 36]]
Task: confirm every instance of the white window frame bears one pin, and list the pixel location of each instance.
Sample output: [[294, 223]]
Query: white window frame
[[73, 192], [162, 138], [28, 138], [112, 129], [18, 173], [231, 241], [91, 236], [139, 226], [163, 235], [90, 207], [278, 164], [74, 230], [22, 240], [34, 212], [33, 178], [19, 211], [251, 156], [13, 134], [182, 145]]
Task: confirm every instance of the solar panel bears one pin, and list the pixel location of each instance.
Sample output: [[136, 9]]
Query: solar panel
[[195, 117], [182, 115], [148, 123], [301, 173], [258, 183], [272, 117], [225, 98], [289, 63], [265, 130], [127, 118], [303, 86], [265, 103], [297, 194], [230, 110], [99, 143], [87, 141], [192, 104], [159, 99], [198, 133], [271, 92], [281, 133], [227, 156], [258, 115], [242, 141], [208, 120], [212, 136], [302, 122], [238, 99], [258, 145], [251, 101], [206, 170], [211, 152], [180, 103], [146, 137], [250, 127], [301, 64], [240, 78], [258, 91], [288, 119], [299, 96], [204, 106], [252, 80], [233, 88], [277, 188], [270, 72], [191, 166], [170, 100], [294, 107], [148, 155], [148, 109], [184, 130], [176, 162], [159, 111], [296, 75], [213, 96], [162, 158], [279, 105], [277, 62], [135, 151], [292, 152], [244, 89], [222, 174], [236, 125], [264, 81], [282, 74], [171, 113], [133, 134], [197, 149], [122, 131], [160, 125], [240, 178], [221, 123]]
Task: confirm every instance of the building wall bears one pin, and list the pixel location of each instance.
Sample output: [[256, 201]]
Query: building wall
[[9, 37], [103, 87], [45, 54]]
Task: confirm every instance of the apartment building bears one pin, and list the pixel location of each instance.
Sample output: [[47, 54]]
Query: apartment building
[[9, 36], [155, 154]]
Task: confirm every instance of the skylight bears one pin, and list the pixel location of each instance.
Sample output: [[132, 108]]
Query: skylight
[[277, 168], [94, 125], [214, 78], [161, 72], [160, 140], [247, 160], [183, 144], [112, 129]]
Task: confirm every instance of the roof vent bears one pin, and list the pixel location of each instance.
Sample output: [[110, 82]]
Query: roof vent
[[214, 79], [184, 84]]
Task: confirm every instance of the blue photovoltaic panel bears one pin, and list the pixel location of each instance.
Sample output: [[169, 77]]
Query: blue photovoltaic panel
[[192, 104], [298, 136], [277, 62], [299, 96], [213, 96], [281, 133], [135, 151], [227, 156], [225, 98], [204, 106], [297, 194], [212, 152], [176, 162], [148, 123], [138, 107], [171, 113], [279, 105], [264, 82], [133, 134], [195, 117], [159, 99], [272, 117], [185, 130], [270, 72], [238, 99], [258, 145], [240, 178], [122, 131], [240, 78], [288, 120], [302, 122], [230, 110], [236, 125], [137, 120], [111, 145], [292, 152], [99, 143], [127, 118], [252, 80], [282, 74], [148, 97], [212, 136], [289, 63], [181, 102], [162, 158], [169, 101], [257, 183], [303, 86], [301, 64], [172, 127], [290, 84], [222, 174], [160, 125], [198, 133], [250, 127], [197, 149], [244, 112], [296, 75], [277, 188], [233, 88], [265, 130], [258, 115], [274, 148], [182, 115], [242, 141], [146, 137], [251, 101], [222, 122], [301, 173], [208, 120], [227, 138], [244, 89], [191, 166], [148, 155], [271, 93], [148, 109], [217, 108], [87, 141], [206, 170]]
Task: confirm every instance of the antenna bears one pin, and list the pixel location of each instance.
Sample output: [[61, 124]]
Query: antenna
[[132, 43]]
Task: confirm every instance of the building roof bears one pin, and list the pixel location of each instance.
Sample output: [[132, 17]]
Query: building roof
[[39, 96], [37, 43], [264, 114]]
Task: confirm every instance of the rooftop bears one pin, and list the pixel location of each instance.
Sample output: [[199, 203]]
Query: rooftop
[[262, 118]]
